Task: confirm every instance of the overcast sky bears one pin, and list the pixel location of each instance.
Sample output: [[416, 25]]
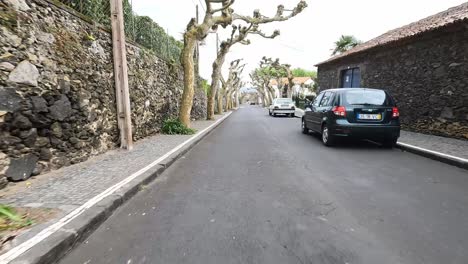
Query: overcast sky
[[305, 39]]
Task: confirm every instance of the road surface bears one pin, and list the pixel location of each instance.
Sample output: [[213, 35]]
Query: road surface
[[256, 190]]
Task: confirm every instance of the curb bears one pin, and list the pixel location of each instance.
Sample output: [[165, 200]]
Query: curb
[[434, 155], [55, 246]]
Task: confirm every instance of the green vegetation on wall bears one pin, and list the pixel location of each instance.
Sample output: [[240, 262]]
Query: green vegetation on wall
[[140, 29]]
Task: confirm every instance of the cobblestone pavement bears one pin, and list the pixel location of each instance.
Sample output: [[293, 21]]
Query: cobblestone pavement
[[72, 186], [450, 146]]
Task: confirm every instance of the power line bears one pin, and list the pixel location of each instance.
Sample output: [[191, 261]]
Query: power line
[[194, 4], [290, 47]]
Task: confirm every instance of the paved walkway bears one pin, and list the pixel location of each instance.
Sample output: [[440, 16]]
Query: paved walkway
[[449, 146], [72, 186]]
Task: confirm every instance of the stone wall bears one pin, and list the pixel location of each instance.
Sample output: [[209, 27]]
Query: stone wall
[[427, 75], [57, 97]]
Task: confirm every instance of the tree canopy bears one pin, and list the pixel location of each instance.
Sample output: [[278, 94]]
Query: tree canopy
[[299, 72]]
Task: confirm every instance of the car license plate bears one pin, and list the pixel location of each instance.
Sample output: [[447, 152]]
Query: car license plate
[[370, 116]]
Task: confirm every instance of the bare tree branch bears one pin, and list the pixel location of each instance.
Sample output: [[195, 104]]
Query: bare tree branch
[[272, 36], [226, 5], [258, 18], [238, 34]]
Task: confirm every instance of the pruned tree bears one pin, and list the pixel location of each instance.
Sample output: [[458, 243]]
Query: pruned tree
[[215, 17], [233, 86], [261, 78], [236, 94], [220, 95], [258, 84], [283, 70], [233, 80], [238, 35]]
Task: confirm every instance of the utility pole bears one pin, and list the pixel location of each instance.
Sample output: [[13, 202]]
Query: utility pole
[[122, 93], [197, 53], [167, 43]]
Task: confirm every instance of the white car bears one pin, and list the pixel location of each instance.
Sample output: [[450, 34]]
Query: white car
[[283, 106]]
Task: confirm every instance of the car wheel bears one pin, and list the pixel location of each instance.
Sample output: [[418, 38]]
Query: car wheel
[[274, 114], [389, 143], [291, 115], [327, 139], [305, 130], [269, 112]]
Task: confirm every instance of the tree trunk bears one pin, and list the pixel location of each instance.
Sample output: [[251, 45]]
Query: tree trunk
[[262, 96], [189, 78], [271, 93], [226, 99], [220, 102], [215, 79], [268, 96], [229, 98], [290, 90], [290, 83]]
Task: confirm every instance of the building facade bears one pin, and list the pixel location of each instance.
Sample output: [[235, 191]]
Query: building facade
[[424, 65]]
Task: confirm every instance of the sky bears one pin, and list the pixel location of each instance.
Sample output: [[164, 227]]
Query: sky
[[306, 39]]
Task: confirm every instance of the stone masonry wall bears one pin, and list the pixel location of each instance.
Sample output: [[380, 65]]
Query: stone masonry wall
[[57, 94], [428, 76]]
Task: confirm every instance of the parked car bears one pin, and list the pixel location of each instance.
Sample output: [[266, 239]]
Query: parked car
[[354, 113], [284, 106]]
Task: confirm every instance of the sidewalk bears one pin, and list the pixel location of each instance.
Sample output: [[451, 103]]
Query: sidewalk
[[69, 188], [448, 150]]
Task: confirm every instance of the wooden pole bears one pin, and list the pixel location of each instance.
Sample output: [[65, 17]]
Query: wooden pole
[[197, 67], [167, 43], [121, 76]]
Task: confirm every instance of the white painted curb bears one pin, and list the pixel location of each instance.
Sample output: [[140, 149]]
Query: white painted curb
[[435, 155]]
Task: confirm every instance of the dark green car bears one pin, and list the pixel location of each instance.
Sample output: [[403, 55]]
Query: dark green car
[[353, 113]]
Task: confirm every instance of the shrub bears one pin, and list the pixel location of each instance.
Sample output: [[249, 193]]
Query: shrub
[[175, 127], [10, 219]]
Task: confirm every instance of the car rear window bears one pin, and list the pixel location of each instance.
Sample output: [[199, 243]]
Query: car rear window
[[367, 97], [284, 101]]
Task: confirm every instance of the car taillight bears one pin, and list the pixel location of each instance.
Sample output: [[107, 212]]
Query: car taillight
[[395, 112], [339, 110]]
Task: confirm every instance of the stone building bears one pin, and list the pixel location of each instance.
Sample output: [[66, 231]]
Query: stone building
[[424, 65]]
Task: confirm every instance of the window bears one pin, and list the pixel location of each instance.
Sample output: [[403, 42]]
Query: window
[[317, 100], [351, 78], [327, 99], [367, 97]]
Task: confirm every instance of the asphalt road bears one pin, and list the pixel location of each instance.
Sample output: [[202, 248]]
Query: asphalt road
[[256, 190]]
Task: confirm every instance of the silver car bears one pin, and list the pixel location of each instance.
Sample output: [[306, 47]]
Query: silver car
[[283, 106]]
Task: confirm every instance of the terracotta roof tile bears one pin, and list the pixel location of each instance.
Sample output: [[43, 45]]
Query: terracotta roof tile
[[296, 80], [447, 17]]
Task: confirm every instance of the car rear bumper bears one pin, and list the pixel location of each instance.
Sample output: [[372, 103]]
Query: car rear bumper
[[283, 111], [366, 131]]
